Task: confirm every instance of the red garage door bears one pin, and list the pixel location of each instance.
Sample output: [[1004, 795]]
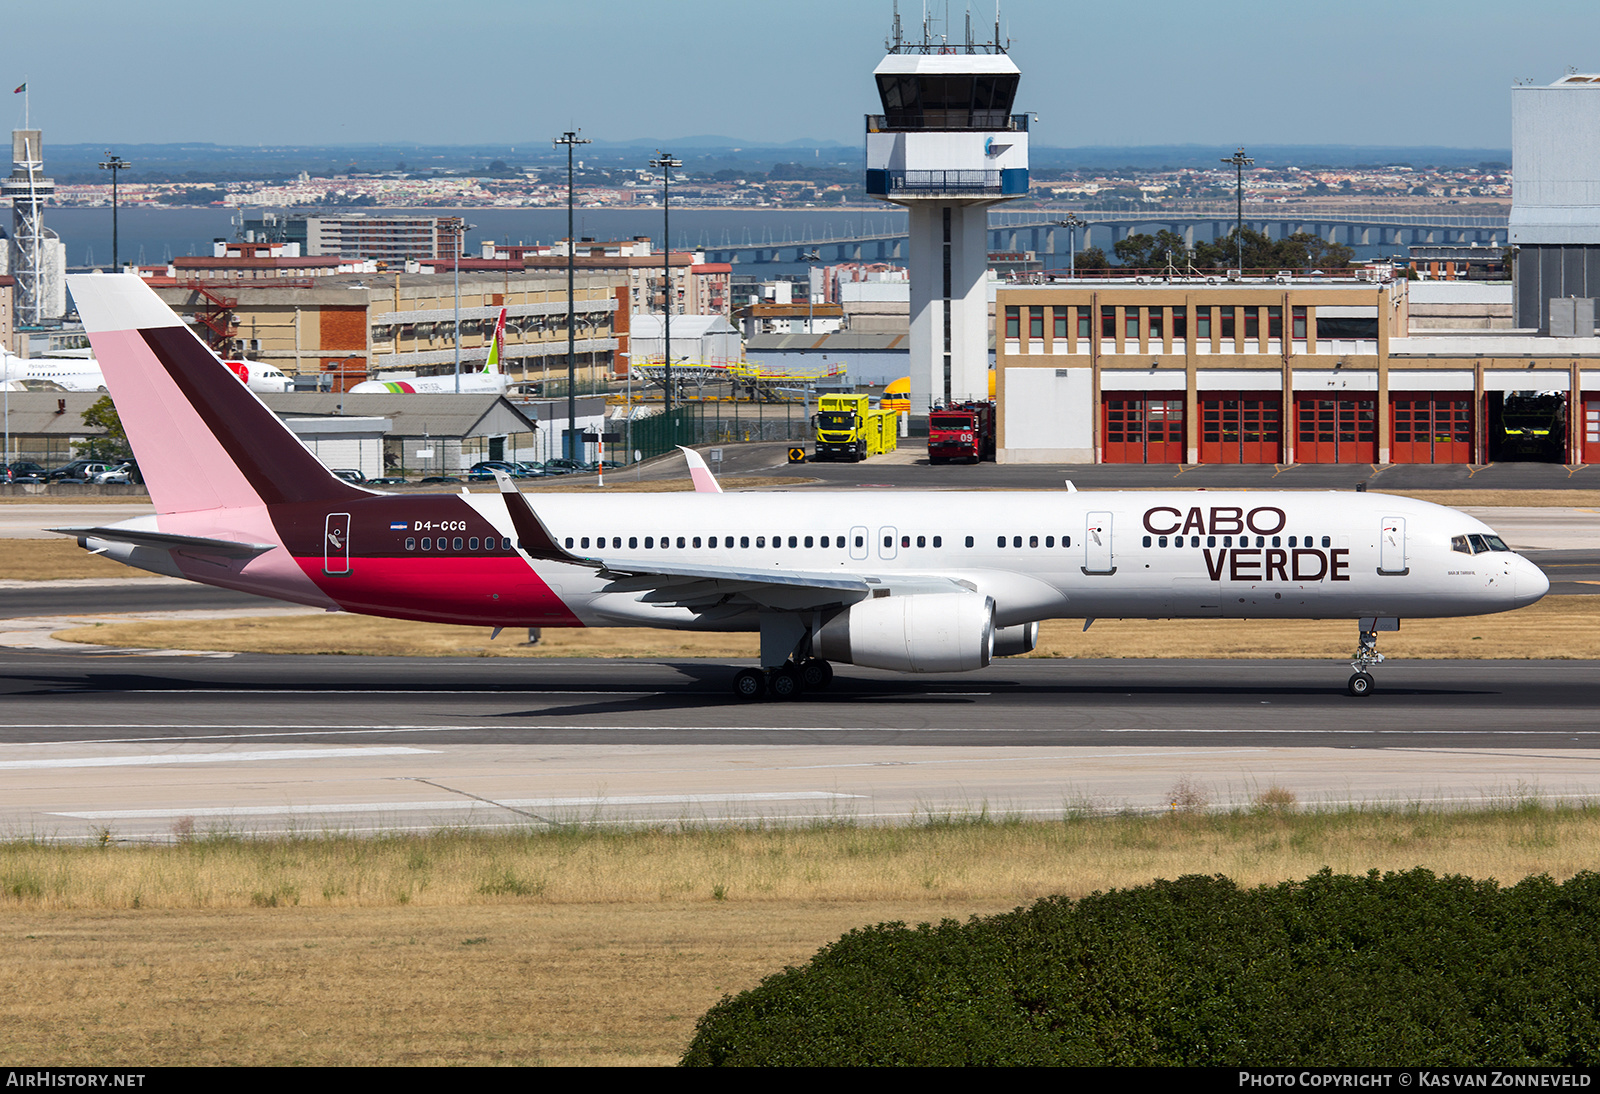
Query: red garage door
[[1241, 427], [1336, 428], [1141, 427], [1590, 453], [1431, 427]]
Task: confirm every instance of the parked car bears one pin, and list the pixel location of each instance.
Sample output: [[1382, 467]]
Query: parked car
[[24, 471], [79, 471], [532, 468], [435, 480], [389, 480], [483, 470], [350, 474], [563, 466], [124, 473]]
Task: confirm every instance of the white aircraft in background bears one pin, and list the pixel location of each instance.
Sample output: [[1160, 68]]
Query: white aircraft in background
[[487, 381], [83, 373], [909, 581]]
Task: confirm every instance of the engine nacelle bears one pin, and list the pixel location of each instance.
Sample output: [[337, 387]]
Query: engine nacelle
[[1010, 641], [925, 632]]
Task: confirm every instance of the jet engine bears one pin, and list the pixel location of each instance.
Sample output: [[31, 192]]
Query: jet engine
[[1010, 641], [925, 632]]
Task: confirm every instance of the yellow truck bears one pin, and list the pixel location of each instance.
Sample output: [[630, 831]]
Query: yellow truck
[[850, 428]]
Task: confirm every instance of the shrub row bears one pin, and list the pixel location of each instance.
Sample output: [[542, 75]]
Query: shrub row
[[1403, 968]]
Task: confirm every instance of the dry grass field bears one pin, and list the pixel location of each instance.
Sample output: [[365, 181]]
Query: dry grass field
[[589, 946], [1561, 627], [56, 558]]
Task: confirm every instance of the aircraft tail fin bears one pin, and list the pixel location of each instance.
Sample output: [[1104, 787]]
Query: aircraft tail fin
[[492, 365], [203, 440]]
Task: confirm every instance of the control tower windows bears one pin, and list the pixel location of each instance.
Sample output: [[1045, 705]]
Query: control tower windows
[[948, 101]]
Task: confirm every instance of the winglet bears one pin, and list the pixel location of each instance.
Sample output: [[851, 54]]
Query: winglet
[[704, 481], [1071, 489], [504, 479]]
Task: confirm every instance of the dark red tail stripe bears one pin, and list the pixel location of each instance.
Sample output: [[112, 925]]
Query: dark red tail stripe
[[271, 459]]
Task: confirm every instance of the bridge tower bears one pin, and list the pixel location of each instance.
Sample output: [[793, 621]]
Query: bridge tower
[[947, 147]]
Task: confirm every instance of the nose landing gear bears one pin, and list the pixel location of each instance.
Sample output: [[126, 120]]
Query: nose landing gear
[[1366, 656]]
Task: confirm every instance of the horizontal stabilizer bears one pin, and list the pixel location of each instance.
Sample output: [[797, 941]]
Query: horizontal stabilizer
[[221, 548]]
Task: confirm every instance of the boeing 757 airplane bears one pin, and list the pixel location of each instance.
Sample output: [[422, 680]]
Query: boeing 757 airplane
[[914, 582]]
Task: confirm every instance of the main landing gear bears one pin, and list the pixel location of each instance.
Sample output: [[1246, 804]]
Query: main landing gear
[[1361, 682], [787, 681]]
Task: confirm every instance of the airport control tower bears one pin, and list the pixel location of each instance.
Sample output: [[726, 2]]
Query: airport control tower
[[947, 147]]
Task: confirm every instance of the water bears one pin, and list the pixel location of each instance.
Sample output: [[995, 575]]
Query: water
[[161, 234], [150, 235]]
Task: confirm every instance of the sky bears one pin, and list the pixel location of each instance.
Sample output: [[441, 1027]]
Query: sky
[[1226, 72]]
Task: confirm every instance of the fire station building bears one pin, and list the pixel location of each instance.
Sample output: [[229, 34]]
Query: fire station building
[[1281, 370]]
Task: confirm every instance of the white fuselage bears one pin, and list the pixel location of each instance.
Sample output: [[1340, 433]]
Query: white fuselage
[[1070, 554]]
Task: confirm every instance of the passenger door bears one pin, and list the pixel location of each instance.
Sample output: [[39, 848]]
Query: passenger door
[[1097, 544], [336, 544]]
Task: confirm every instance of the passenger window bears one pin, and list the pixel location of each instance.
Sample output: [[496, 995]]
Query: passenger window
[[411, 543], [633, 543], [744, 541], [905, 541], [1016, 541], [824, 541], [649, 542], [761, 541], [505, 543], [922, 541], [1277, 541], [1211, 541], [938, 541], [427, 543], [861, 541], [1147, 541], [455, 544], [969, 541], [1033, 541], [999, 541], [616, 542], [888, 541], [1327, 541], [472, 544], [808, 541], [680, 542]]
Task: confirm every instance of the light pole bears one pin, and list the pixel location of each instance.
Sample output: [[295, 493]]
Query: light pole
[[809, 257], [462, 229], [571, 139], [1240, 161], [114, 163], [1072, 224], [666, 162]]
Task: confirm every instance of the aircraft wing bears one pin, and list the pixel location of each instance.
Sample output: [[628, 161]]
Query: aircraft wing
[[166, 541], [663, 582]]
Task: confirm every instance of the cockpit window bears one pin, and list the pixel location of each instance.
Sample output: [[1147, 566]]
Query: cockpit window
[[1479, 544], [1496, 543], [1459, 543]]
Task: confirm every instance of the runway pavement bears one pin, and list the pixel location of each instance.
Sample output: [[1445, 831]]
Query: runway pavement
[[250, 743], [134, 741]]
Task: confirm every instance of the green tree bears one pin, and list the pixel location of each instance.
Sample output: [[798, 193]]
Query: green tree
[[1091, 258], [102, 414], [1146, 252]]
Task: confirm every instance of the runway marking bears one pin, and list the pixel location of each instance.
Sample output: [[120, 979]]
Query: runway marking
[[213, 757], [269, 731], [455, 805]]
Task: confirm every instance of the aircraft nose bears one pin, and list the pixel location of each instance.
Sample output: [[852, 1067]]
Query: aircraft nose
[[1531, 582]]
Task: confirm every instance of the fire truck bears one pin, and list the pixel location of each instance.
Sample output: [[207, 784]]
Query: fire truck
[[961, 431]]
